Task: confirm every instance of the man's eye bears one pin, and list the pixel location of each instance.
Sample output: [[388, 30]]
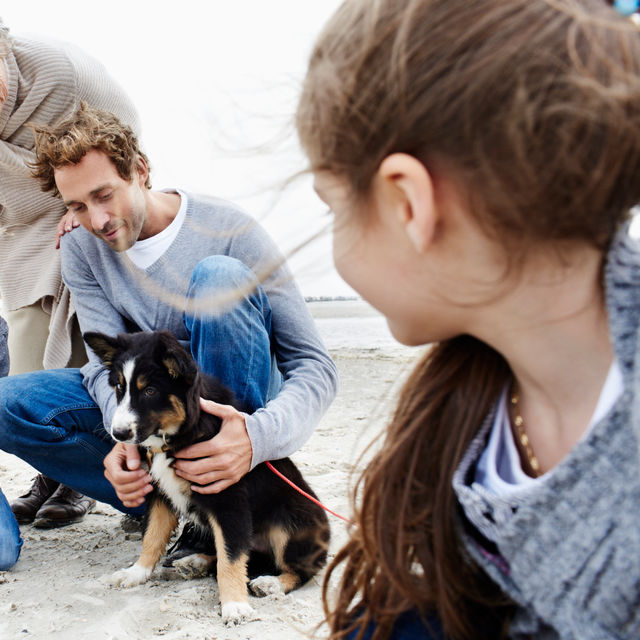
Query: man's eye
[[104, 196], [149, 391]]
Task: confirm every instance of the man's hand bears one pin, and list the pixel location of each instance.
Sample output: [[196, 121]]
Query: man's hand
[[122, 470], [216, 464], [66, 224]]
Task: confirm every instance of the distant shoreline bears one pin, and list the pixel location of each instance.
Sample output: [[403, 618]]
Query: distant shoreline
[[332, 298]]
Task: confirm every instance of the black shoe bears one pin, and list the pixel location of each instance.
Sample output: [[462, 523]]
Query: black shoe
[[25, 507], [131, 524], [64, 507], [192, 541]]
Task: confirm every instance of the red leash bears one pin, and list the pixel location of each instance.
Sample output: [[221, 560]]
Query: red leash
[[305, 494]]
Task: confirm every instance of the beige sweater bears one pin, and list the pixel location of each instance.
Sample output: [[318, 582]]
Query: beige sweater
[[46, 82]]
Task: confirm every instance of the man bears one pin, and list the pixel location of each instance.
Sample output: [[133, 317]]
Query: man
[[42, 81], [145, 260]]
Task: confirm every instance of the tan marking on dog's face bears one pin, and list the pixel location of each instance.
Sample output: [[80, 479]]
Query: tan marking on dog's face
[[172, 419], [160, 525], [141, 382], [232, 576]]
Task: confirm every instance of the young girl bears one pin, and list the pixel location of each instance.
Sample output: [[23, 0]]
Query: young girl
[[481, 158]]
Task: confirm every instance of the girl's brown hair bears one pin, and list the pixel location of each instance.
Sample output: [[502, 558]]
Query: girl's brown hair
[[533, 106]]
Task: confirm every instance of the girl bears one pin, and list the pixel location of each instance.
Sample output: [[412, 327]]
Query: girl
[[481, 158]]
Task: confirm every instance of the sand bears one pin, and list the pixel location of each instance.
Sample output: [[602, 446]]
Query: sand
[[59, 589]]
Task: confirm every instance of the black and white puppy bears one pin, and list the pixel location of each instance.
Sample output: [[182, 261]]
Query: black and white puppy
[[158, 387]]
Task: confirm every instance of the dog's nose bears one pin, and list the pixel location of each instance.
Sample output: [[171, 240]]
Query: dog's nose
[[122, 435]]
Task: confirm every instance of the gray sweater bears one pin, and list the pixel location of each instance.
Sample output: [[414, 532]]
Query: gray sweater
[[570, 554], [111, 295]]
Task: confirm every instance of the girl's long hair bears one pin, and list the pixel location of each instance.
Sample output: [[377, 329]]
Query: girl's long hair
[[533, 107], [405, 550]]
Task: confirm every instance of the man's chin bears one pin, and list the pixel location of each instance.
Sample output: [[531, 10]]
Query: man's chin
[[117, 243]]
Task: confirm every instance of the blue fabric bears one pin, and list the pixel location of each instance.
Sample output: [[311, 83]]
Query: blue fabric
[[10, 541], [408, 626], [48, 418], [626, 7]]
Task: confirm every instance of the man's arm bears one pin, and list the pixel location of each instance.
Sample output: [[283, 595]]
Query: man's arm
[[309, 374], [96, 313], [310, 378]]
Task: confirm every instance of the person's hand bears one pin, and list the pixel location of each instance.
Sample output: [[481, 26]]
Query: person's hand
[[215, 464], [66, 224], [122, 470]]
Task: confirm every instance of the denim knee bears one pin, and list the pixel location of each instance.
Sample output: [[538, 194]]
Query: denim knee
[[222, 275], [10, 541], [10, 395]]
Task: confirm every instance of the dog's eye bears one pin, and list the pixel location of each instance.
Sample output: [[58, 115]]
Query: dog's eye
[[149, 391], [119, 387]]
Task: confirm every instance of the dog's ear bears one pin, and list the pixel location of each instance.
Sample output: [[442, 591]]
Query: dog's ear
[[105, 347], [177, 360]]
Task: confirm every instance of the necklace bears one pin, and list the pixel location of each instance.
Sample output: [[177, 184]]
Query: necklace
[[522, 436]]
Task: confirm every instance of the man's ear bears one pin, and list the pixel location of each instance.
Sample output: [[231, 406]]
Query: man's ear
[[406, 186], [141, 171], [105, 347]]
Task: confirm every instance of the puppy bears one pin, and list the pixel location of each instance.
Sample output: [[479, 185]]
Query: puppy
[[158, 386]]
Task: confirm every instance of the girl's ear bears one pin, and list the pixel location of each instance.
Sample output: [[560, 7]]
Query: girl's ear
[[406, 187]]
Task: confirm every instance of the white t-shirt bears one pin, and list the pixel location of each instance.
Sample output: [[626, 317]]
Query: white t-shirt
[[145, 252], [499, 469]]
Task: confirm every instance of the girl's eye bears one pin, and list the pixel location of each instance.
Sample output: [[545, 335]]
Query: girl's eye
[[149, 391]]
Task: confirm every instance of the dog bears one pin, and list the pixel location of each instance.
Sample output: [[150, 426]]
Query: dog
[[260, 518]]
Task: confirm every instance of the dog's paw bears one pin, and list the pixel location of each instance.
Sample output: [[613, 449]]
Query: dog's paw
[[130, 577], [236, 612], [266, 586], [194, 566]]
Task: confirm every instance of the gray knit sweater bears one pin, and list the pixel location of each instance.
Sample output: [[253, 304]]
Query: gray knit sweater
[[111, 295], [570, 554], [46, 82]]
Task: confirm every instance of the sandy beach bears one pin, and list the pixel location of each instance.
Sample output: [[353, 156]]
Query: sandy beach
[[58, 589]]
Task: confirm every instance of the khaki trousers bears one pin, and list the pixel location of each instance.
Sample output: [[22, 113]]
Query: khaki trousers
[[28, 333]]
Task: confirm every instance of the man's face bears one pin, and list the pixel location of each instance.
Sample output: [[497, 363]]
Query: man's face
[[111, 208]]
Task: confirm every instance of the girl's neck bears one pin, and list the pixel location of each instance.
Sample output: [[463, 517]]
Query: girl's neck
[[552, 329]]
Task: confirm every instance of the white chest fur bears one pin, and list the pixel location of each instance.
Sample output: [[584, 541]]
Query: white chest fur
[[176, 489]]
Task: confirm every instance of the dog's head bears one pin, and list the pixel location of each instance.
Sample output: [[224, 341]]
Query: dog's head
[[154, 379]]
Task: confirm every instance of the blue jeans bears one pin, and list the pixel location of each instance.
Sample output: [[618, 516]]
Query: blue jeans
[[408, 626], [48, 419], [10, 541]]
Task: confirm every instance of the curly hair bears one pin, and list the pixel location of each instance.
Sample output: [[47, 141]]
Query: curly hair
[[87, 129]]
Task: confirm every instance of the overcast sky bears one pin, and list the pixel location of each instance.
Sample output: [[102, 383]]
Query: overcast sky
[[215, 83]]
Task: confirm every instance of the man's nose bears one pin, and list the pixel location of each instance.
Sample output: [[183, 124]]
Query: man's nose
[[99, 218]]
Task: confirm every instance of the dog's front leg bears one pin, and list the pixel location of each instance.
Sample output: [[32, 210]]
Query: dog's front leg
[[160, 524], [232, 580]]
